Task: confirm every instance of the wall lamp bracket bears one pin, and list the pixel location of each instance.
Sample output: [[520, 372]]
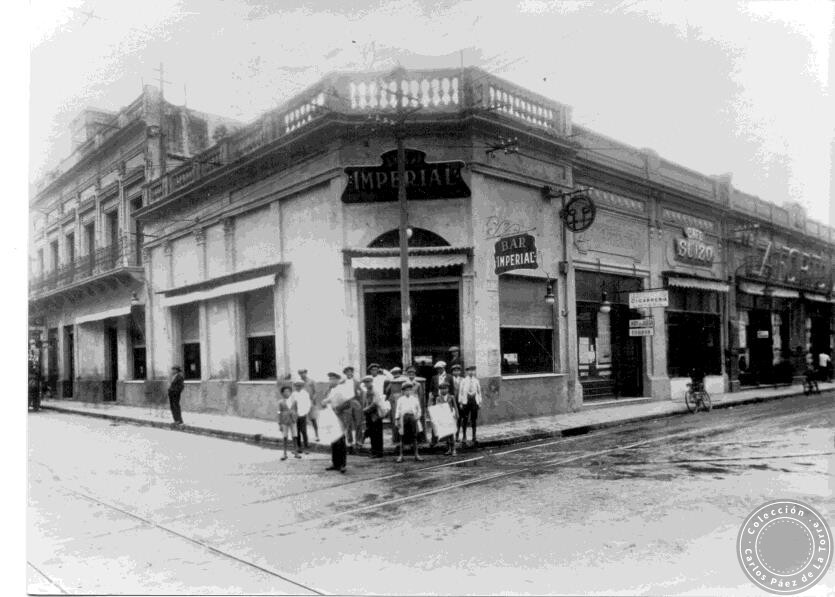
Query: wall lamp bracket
[[549, 193]]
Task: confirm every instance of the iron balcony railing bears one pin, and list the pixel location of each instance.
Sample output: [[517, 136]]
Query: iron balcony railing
[[443, 91], [104, 260]]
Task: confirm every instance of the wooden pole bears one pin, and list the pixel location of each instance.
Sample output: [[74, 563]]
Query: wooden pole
[[405, 309]]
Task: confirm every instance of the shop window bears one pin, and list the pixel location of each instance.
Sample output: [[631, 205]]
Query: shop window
[[261, 357], [526, 350], [190, 337], [137, 340], [260, 333], [693, 329], [526, 323], [191, 360]]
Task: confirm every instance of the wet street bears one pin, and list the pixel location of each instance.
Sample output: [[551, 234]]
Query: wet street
[[649, 508]]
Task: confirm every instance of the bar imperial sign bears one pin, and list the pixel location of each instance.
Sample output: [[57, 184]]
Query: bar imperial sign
[[515, 252], [424, 180]]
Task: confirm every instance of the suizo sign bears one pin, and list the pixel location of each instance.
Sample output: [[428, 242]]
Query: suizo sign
[[515, 252], [424, 180], [693, 248]]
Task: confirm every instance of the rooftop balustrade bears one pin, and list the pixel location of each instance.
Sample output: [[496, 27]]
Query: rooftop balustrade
[[435, 92]]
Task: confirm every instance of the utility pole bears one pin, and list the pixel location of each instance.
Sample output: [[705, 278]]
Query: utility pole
[[405, 306]]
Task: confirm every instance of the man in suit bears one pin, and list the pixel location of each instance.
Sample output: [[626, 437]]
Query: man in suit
[[175, 388]]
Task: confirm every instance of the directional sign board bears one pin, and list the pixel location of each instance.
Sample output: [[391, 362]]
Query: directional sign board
[[648, 298], [641, 332], [646, 322]]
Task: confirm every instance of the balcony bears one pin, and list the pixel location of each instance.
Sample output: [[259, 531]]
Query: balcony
[[451, 92], [107, 264]]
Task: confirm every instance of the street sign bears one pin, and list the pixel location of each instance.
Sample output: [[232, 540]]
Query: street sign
[[642, 332], [646, 322], [648, 298]]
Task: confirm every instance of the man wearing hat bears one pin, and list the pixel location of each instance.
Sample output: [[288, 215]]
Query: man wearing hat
[[353, 419], [175, 388], [380, 377], [302, 399], [411, 374], [394, 373], [393, 392], [375, 409], [313, 415], [469, 401], [407, 417], [440, 377], [339, 402], [455, 358]]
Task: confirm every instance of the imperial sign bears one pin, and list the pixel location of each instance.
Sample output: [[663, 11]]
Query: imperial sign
[[424, 180], [515, 252]]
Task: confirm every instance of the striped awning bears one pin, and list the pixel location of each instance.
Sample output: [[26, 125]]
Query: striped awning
[[415, 261], [699, 283], [172, 300], [760, 290], [117, 312]]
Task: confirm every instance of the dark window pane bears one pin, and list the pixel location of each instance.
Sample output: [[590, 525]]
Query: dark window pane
[[191, 360], [526, 350], [262, 357], [139, 363], [693, 342]]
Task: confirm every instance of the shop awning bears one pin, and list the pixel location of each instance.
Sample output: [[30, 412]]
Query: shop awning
[[387, 258], [700, 283], [172, 300], [415, 262], [820, 298], [759, 290], [117, 312]]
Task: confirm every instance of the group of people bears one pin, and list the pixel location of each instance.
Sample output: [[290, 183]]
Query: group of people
[[362, 405]]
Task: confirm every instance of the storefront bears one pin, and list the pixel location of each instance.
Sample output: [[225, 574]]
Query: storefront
[[611, 363]]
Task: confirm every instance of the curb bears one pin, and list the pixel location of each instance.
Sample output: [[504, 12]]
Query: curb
[[276, 443]]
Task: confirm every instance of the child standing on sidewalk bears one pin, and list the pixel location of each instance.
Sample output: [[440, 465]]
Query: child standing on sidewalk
[[469, 400], [302, 400], [444, 397], [407, 418], [287, 417]]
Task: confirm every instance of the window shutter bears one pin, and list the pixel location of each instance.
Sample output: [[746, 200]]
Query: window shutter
[[522, 303], [260, 317]]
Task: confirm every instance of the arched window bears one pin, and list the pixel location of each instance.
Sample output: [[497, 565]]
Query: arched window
[[420, 238]]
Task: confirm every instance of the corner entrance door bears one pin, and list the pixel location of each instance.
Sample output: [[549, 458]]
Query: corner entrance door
[[112, 369], [435, 326]]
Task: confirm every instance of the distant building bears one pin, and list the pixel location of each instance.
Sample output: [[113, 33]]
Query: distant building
[[277, 248], [86, 290]]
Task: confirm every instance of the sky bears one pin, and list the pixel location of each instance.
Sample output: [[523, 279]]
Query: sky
[[716, 86]]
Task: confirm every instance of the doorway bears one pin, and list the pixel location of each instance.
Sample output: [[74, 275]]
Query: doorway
[[69, 361], [112, 362], [435, 325]]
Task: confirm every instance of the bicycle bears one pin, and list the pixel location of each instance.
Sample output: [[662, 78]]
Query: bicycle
[[696, 397]]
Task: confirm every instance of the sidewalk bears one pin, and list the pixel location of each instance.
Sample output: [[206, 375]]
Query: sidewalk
[[497, 434]]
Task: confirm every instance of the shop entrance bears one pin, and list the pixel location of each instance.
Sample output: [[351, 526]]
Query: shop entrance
[[112, 361], [610, 361], [435, 325]]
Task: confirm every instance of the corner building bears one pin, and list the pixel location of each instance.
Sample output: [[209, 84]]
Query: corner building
[[277, 248]]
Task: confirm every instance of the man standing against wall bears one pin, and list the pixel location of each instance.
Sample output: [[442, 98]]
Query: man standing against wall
[[175, 388]]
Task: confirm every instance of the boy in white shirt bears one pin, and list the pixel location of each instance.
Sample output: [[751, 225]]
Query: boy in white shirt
[[469, 401], [303, 402], [407, 417]]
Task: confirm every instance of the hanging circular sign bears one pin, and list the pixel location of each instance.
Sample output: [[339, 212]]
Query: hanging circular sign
[[579, 214]]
